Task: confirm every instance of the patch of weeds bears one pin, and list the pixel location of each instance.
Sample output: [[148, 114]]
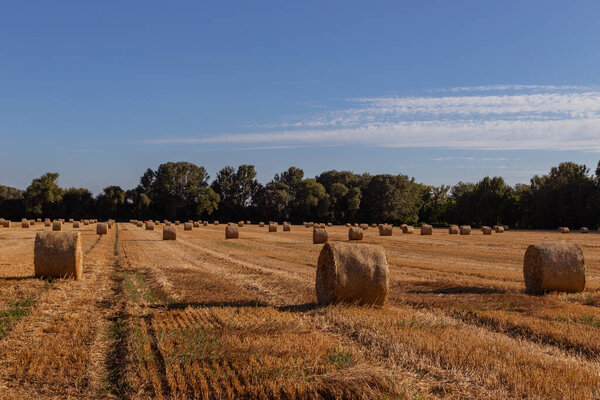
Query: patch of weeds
[[130, 288], [340, 358], [191, 344], [115, 382], [585, 319], [563, 318], [147, 293], [14, 313]]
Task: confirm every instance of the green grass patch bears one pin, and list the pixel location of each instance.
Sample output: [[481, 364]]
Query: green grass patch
[[14, 313], [340, 358]]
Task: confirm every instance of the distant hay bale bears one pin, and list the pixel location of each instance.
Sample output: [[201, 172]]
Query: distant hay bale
[[261, 224], [364, 227], [355, 233], [465, 229], [319, 235], [187, 226], [47, 223], [232, 232], [564, 229], [216, 223], [373, 225], [453, 230], [6, 224], [70, 220], [141, 224], [196, 224], [584, 229], [58, 255], [352, 273], [87, 222], [177, 223], [506, 227], [407, 229], [385, 230], [76, 225], [499, 229], [109, 224], [348, 225], [101, 228], [402, 226], [329, 224], [273, 227], [426, 230], [240, 224], [149, 226], [40, 220], [287, 227], [248, 223], [167, 223], [25, 224], [555, 266], [205, 223], [169, 233], [32, 223], [486, 230], [57, 226], [355, 225]]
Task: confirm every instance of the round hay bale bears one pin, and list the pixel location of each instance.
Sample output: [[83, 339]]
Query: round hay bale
[[465, 229], [149, 226], [6, 224], [240, 224], [554, 266], [32, 223], [287, 227], [273, 227], [177, 223], [364, 227], [248, 223], [355, 233], [385, 230], [348, 225], [426, 230], [101, 229], [320, 235], [506, 227], [76, 225], [407, 229], [564, 229], [453, 230], [373, 225], [40, 220], [584, 229], [47, 223], [205, 223], [25, 224], [352, 273], [261, 224], [232, 232], [486, 230], [329, 224], [499, 229], [110, 224], [58, 255], [187, 226], [196, 224], [355, 225], [56, 226], [139, 224], [216, 223], [169, 233], [87, 222], [70, 220]]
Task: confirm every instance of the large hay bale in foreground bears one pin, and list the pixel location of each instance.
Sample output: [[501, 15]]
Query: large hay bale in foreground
[[465, 229], [453, 230], [385, 230], [273, 227], [584, 229], [57, 226], [355, 233], [76, 225], [25, 224], [352, 273], [486, 230], [232, 232], [169, 233], [556, 266], [101, 228], [426, 230], [320, 235], [149, 226], [58, 255], [187, 226], [407, 229]]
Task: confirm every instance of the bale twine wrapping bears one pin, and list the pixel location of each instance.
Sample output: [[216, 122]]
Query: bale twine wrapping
[[584, 229], [261, 224], [169, 233], [453, 230], [564, 229], [231, 232], [486, 230], [465, 229], [385, 230], [287, 227], [352, 273], [149, 226], [554, 266], [320, 235], [58, 255], [187, 226], [25, 224], [499, 229], [426, 230], [407, 229], [273, 227], [101, 229], [355, 233], [56, 226], [76, 225]]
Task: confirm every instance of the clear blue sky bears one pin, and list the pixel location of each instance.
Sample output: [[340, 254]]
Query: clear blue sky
[[440, 90]]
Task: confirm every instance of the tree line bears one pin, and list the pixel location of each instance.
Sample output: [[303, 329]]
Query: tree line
[[568, 195]]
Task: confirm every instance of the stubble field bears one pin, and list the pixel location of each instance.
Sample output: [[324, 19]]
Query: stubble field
[[209, 318]]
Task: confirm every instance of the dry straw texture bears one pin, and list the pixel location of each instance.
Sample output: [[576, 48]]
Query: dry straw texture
[[101, 228], [352, 273], [58, 255], [273, 227], [465, 229], [149, 226], [564, 229], [385, 230], [232, 232], [453, 230], [319, 235], [57, 226], [169, 233], [355, 233], [556, 266], [187, 226], [426, 230]]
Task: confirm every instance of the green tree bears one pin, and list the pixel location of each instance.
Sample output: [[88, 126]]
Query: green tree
[[237, 190], [391, 198], [312, 201], [111, 202], [78, 203], [43, 195]]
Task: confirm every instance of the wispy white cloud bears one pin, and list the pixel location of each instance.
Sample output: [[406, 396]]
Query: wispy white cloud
[[544, 117]]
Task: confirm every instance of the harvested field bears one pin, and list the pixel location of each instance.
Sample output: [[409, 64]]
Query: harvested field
[[203, 317]]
